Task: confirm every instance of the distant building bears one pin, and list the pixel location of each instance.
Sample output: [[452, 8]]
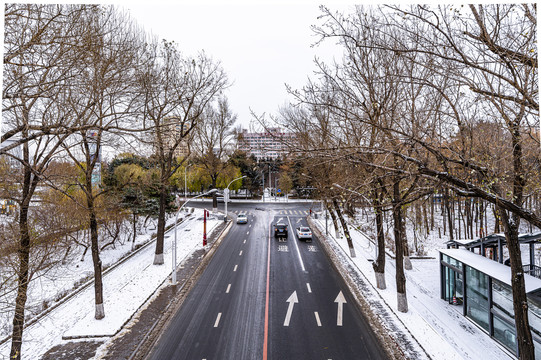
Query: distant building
[[16, 151], [172, 133], [270, 144]]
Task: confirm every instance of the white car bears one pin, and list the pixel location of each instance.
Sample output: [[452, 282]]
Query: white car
[[242, 218], [304, 232]]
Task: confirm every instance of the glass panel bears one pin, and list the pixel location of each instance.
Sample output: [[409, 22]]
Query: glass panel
[[458, 289], [477, 297], [534, 317], [537, 349], [450, 285], [502, 297], [505, 334], [455, 262]]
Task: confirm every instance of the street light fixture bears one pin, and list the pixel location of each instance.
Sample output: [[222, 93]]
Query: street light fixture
[[227, 199], [174, 274]]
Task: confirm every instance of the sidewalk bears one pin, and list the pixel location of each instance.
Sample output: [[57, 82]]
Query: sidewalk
[[126, 288], [439, 329]]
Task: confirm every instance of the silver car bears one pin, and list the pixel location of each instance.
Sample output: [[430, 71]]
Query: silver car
[[304, 232]]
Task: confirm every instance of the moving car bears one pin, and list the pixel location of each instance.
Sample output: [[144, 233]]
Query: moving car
[[304, 232], [242, 218], [280, 230]]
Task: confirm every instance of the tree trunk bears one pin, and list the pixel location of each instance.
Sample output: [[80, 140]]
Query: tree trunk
[[511, 224], [520, 301], [407, 261], [93, 226], [334, 221], [23, 272], [158, 254], [496, 220], [448, 211], [379, 263], [344, 227], [402, 299], [214, 199], [134, 230]]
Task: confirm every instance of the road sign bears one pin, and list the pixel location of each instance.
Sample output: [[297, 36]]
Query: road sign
[[279, 191]]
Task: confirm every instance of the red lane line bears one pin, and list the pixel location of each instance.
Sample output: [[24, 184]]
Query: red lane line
[[266, 337]]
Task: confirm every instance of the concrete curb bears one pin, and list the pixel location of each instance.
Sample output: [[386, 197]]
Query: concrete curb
[[383, 321]]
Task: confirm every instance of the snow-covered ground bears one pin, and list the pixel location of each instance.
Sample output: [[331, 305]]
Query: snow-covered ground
[[126, 288], [438, 326]]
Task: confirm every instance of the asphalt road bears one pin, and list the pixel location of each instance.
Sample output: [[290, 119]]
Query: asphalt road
[[262, 298]]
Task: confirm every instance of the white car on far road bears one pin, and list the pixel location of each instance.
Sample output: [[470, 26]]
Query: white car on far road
[[304, 232]]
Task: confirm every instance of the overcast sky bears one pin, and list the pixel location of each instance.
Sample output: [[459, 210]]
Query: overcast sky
[[261, 46]]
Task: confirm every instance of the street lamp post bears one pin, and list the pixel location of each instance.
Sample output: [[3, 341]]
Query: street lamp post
[[227, 199], [174, 274], [185, 187]]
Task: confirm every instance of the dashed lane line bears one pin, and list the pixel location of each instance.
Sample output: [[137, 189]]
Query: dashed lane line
[[317, 318], [217, 322]]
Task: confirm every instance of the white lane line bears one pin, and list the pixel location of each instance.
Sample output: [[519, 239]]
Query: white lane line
[[250, 226], [228, 288], [217, 322], [309, 288], [240, 254], [244, 242], [296, 246], [317, 318], [248, 233], [235, 269]]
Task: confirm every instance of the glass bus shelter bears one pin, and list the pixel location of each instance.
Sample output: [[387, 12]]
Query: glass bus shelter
[[482, 289]]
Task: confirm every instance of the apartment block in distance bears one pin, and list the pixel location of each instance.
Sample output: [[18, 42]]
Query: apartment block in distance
[[269, 144], [171, 132]]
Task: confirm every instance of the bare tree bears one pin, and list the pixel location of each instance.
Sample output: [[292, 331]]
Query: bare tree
[[103, 97], [480, 60], [174, 91], [213, 141], [42, 57]]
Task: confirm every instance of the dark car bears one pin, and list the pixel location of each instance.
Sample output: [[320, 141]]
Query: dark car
[[280, 230]]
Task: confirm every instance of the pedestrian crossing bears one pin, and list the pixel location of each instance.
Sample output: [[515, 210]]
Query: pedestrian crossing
[[280, 212]]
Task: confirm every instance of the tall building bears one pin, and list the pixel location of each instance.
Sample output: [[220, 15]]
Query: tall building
[[269, 144], [171, 130]]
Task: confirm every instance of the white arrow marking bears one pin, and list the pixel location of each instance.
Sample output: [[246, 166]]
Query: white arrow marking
[[292, 301], [341, 300], [299, 220]]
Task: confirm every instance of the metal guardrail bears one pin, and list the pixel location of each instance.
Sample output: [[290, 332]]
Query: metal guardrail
[[532, 270]]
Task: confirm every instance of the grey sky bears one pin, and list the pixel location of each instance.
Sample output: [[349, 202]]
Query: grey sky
[[261, 46]]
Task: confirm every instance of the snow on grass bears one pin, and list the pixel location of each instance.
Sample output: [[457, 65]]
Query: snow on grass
[[126, 288]]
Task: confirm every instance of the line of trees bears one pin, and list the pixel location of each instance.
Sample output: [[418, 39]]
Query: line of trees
[[427, 99], [79, 79]]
